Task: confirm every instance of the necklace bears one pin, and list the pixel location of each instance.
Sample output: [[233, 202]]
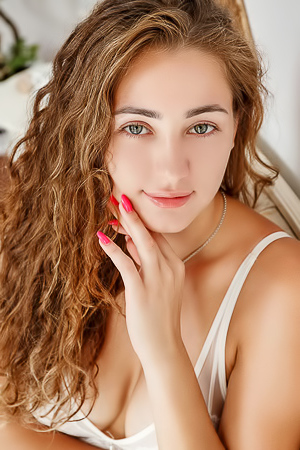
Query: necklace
[[213, 233]]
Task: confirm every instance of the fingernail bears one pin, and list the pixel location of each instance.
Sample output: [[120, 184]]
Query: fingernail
[[126, 203], [113, 200], [103, 238], [113, 222]]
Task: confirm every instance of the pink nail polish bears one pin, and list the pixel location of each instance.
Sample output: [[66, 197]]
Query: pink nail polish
[[113, 200], [126, 203], [103, 238], [113, 222]]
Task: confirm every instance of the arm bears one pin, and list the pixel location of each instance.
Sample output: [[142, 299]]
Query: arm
[[262, 409], [181, 418], [153, 298], [15, 437]]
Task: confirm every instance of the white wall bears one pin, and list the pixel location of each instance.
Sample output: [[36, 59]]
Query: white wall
[[48, 22], [276, 28]]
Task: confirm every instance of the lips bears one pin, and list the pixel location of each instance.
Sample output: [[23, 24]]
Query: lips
[[172, 200], [168, 194]]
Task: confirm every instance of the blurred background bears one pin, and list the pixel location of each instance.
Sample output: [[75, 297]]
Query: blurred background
[[47, 23]]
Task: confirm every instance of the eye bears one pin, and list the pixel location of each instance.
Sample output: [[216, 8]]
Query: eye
[[202, 128], [136, 129]]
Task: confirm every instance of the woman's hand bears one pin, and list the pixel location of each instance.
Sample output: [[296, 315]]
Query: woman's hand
[[153, 294]]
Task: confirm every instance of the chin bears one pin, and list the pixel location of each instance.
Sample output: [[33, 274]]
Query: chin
[[165, 228]]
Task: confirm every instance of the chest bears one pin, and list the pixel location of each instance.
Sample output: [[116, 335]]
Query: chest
[[123, 407]]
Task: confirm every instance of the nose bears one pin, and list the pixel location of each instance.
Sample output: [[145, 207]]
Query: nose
[[171, 161]]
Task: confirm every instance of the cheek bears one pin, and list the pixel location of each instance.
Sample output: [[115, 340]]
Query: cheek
[[210, 158], [128, 165]]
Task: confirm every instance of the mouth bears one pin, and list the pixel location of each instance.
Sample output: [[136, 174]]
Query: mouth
[[170, 201]]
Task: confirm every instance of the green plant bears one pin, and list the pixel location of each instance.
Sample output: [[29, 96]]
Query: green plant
[[20, 55]]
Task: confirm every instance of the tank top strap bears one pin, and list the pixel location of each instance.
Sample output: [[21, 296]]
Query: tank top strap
[[228, 303], [230, 300]]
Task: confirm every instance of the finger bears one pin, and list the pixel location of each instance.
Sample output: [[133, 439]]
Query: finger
[[163, 244], [118, 219], [147, 248], [153, 249], [165, 248], [161, 241], [132, 250], [113, 206], [113, 209], [116, 225], [123, 263], [113, 200]]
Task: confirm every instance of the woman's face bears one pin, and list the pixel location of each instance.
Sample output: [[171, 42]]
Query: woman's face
[[173, 131]]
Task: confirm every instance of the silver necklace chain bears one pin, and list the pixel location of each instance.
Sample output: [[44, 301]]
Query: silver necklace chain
[[213, 233]]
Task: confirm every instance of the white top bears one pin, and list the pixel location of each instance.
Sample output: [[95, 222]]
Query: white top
[[209, 369]]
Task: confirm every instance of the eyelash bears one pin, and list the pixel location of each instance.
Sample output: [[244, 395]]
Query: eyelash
[[198, 135], [131, 135]]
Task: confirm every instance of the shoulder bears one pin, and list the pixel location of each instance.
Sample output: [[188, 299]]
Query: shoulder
[[271, 293], [275, 275], [272, 297], [276, 272], [267, 316], [268, 308], [246, 228], [263, 387]]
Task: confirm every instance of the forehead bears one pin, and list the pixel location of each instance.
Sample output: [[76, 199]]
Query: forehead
[[177, 77]]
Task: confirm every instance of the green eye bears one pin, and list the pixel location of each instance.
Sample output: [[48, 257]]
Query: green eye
[[135, 129], [201, 128]]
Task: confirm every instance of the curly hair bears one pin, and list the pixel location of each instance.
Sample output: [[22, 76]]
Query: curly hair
[[56, 284]]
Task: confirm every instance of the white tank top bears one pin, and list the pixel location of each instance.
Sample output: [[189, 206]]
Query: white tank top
[[209, 369]]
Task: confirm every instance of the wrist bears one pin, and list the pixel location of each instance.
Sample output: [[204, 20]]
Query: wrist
[[165, 359]]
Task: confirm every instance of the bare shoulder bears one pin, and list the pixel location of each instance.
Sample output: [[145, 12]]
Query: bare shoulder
[[262, 408], [247, 228], [275, 276], [271, 292]]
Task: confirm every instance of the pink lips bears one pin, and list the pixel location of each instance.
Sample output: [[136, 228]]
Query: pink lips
[[169, 202]]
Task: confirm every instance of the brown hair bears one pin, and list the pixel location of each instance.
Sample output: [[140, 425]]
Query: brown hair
[[56, 284]]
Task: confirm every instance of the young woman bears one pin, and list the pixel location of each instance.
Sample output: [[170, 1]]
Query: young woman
[[178, 326]]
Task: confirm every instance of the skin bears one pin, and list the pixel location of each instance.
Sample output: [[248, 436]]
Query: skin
[[141, 371], [169, 155], [167, 150]]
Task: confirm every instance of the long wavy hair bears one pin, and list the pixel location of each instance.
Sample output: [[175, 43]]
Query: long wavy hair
[[56, 284]]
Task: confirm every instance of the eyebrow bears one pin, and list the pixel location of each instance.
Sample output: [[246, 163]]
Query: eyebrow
[[205, 109], [140, 111], [156, 115]]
